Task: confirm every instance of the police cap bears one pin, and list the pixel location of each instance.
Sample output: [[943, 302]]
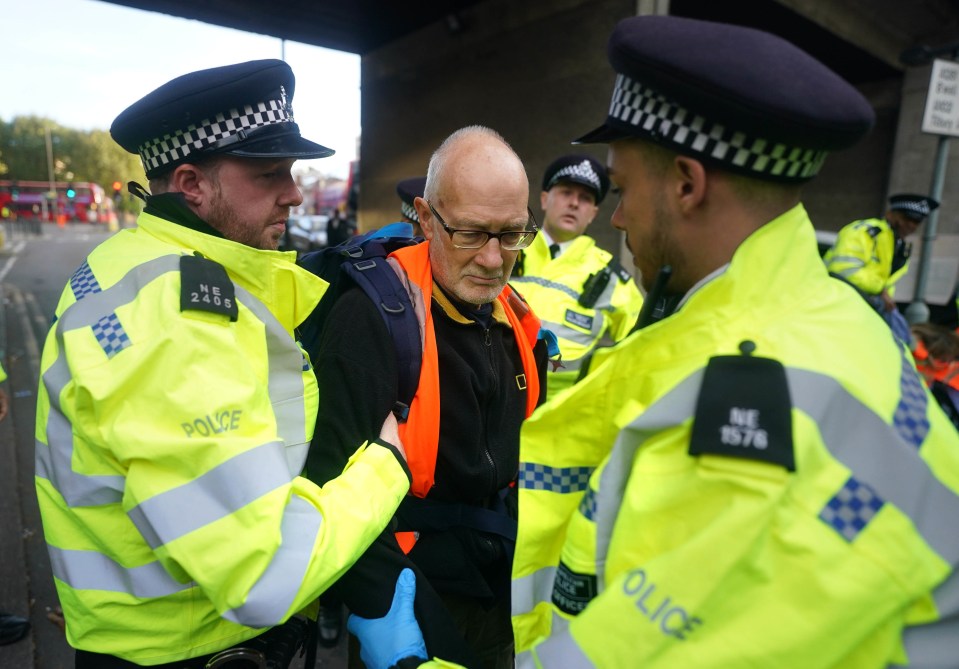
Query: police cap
[[408, 190], [916, 207], [578, 169], [242, 109], [739, 98]]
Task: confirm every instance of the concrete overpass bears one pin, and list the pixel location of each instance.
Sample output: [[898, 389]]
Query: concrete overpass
[[536, 71]]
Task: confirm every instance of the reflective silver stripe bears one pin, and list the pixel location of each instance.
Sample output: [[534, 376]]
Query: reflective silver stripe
[[560, 650], [569, 366], [585, 338], [890, 465], [54, 461], [229, 486], [89, 570], [676, 406], [525, 660], [532, 589], [856, 265], [286, 384], [85, 569], [273, 594], [555, 285], [937, 645]]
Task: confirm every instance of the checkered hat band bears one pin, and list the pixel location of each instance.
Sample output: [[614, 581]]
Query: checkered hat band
[[921, 208], [409, 211], [656, 115], [172, 148], [582, 172]]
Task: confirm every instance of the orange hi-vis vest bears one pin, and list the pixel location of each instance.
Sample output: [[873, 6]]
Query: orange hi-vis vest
[[421, 431], [932, 369]]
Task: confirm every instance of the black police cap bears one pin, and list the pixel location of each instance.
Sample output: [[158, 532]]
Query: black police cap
[[409, 190], [916, 207], [742, 99], [579, 169], [242, 109]]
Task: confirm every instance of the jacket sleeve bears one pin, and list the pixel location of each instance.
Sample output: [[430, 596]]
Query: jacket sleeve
[[718, 563], [356, 370], [210, 484], [861, 258]]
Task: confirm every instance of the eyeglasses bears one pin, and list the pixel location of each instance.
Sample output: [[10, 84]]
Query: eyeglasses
[[511, 240]]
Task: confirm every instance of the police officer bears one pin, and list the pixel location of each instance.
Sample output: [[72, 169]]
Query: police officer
[[408, 190], [175, 408], [758, 478], [872, 254], [580, 291]]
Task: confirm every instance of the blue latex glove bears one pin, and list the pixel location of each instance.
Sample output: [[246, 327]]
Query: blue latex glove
[[387, 640]]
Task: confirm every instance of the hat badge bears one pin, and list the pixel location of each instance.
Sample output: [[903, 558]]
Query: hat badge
[[583, 171], [285, 103]]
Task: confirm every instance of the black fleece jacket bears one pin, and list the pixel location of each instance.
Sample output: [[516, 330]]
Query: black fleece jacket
[[481, 409]]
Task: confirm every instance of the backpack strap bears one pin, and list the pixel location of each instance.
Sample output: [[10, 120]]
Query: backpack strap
[[378, 280]]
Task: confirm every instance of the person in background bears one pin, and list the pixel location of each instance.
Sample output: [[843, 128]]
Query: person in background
[[580, 291], [872, 254], [175, 407], [408, 190], [339, 228], [481, 376], [936, 352], [759, 478]]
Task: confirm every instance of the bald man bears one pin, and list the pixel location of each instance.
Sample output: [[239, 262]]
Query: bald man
[[482, 375]]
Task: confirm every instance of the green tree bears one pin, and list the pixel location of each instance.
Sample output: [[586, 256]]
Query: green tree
[[77, 155]]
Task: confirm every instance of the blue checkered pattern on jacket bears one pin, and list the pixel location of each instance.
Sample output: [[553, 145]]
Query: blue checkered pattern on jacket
[[910, 418], [110, 335], [587, 505], [851, 509], [535, 476], [83, 282]]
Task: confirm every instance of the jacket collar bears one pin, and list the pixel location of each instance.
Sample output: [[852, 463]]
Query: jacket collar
[[273, 277]]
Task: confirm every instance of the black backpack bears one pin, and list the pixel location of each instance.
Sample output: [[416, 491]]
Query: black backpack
[[361, 260]]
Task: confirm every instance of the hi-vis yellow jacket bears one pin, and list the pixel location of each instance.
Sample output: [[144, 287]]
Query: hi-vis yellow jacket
[[553, 287], [173, 418], [863, 255], [634, 552]]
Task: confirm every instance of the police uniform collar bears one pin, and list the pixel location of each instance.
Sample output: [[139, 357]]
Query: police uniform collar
[[173, 207]]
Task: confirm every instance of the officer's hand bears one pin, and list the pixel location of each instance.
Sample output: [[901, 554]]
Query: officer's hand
[[387, 640], [390, 433], [887, 300], [4, 404]]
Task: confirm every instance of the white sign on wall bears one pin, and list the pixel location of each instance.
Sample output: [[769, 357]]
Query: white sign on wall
[[942, 101]]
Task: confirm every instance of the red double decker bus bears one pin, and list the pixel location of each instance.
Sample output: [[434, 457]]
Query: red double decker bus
[[69, 201]]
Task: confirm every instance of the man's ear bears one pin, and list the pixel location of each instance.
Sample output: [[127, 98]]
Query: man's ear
[[192, 182], [425, 216], [543, 195], [690, 178]]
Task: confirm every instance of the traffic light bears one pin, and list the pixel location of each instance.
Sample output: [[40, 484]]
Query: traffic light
[[117, 187], [71, 192]]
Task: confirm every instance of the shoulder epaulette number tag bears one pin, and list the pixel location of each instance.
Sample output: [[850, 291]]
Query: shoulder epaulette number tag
[[744, 410], [205, 286]]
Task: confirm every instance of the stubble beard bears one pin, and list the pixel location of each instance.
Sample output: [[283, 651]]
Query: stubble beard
[[223, 217]]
